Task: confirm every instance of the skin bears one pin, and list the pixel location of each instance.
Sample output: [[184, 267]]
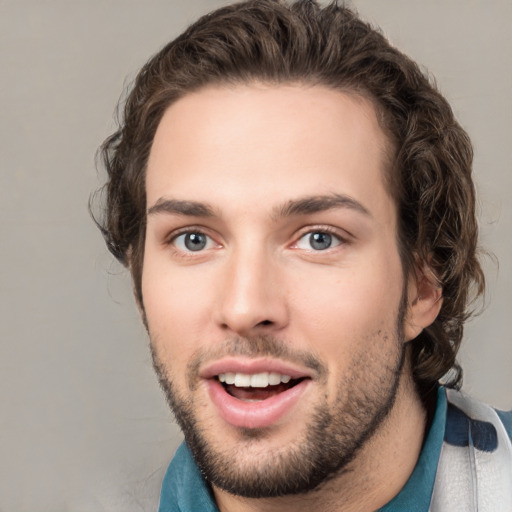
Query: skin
[[245, 154]]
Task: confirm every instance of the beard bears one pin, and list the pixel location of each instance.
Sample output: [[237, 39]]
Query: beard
[[331, 439]]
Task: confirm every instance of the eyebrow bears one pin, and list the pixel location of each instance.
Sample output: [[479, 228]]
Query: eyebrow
[[319, 203], [302, 206], [178, 207]]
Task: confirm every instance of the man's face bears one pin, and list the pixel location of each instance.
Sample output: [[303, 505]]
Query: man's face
[[272, 283]]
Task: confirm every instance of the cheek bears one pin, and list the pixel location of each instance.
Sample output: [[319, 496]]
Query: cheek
[[346, 307], [177, 309]]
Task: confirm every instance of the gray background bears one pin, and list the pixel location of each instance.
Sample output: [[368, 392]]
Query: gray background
[[83, 424]]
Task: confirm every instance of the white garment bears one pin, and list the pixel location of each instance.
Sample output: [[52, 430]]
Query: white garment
[[474, 473]]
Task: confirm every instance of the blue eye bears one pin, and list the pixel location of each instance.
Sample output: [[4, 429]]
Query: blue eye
[[318, 241], [193, 241]]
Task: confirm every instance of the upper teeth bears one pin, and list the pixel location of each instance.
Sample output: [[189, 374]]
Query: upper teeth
[[256, 380]]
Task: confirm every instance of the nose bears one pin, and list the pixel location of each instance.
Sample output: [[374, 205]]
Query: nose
[[251, 298]]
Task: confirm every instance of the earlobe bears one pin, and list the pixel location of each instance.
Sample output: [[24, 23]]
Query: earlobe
[[425, 298]]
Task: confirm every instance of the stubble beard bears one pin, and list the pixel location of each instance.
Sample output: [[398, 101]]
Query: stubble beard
[[330, 441]]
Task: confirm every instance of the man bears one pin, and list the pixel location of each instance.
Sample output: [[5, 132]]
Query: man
[[294, 201]]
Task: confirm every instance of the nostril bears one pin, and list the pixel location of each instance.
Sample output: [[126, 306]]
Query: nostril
[[266, 322]]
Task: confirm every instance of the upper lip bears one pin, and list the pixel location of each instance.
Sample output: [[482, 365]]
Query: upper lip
[[252, 366]]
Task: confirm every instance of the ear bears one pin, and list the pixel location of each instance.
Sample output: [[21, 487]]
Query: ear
[[424, 301]]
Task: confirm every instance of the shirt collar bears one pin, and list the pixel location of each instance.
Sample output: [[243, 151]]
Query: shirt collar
[[416, 494]]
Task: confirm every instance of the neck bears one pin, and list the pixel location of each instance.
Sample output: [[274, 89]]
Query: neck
[[375, 476]]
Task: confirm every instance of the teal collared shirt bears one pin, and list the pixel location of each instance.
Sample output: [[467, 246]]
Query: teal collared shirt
[[416, 493], [185, 490]]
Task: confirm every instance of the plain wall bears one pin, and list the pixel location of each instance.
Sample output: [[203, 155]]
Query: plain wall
[[83, 424]]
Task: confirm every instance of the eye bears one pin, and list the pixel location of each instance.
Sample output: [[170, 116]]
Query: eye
[[318, 241], [193, 241]]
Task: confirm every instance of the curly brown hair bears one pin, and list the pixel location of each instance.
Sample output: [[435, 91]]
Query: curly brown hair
[[276, 42]]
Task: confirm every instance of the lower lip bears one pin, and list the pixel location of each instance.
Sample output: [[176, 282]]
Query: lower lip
[[263, 413]]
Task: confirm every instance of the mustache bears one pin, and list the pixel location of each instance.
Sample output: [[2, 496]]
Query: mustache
[[255, 346]]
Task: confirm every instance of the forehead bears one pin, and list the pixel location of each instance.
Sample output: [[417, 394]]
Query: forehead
[[260, 142]]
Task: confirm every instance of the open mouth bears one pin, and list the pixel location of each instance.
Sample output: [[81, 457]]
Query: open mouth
[[256, 393], [256, 387]]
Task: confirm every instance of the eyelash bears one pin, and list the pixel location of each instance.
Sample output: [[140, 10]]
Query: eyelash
[[342, 240], [309, 231], [189, 230]]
